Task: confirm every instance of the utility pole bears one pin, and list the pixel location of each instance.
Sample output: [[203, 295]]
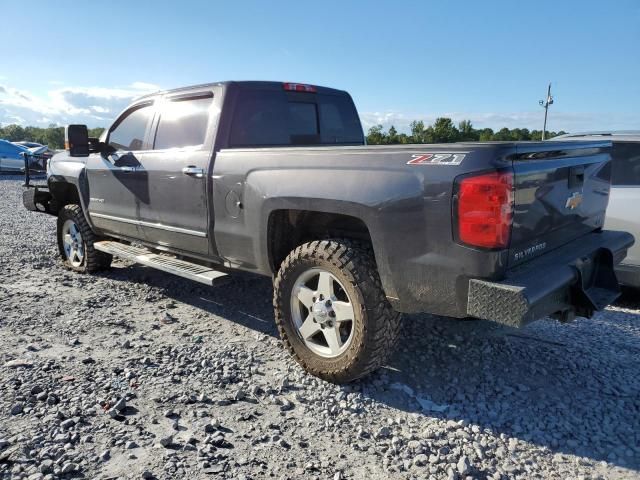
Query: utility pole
[[545, 104]]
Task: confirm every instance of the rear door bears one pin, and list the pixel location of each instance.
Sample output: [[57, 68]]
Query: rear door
[[561, 191], [176, 167], [624, 203]]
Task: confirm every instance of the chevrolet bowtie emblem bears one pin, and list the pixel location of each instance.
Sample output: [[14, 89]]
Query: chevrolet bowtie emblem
[[574, 201]]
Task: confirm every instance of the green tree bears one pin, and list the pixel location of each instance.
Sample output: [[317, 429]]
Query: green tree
[[13, 133], [54, 137], [392, 135], [417, 132], [376, 136], [444, 131], [486, 135], [467, 132]]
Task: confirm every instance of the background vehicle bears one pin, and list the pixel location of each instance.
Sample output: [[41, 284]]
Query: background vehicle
[[28, 144], [624, 200], [11, 159], [12, 156], [274, 178]]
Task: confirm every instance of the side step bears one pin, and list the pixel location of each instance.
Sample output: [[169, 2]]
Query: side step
[[192, 271]]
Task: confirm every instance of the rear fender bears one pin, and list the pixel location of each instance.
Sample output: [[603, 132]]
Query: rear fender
[[379, 198]]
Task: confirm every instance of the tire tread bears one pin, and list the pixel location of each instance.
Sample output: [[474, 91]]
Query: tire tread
[[383, 325], [95, 260]]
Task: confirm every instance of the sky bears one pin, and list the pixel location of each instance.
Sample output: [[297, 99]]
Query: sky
[[488, 61]]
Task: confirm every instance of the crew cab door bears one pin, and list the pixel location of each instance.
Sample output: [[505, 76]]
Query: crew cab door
[[176, 167], [117, 187]]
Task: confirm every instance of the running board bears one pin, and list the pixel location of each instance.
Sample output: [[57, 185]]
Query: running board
[[192, 271]]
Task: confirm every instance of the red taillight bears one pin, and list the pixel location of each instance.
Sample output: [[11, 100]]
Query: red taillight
[[299, 87], [485, 210]]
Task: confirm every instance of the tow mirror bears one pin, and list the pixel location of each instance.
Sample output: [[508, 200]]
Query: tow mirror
[[76, 140]]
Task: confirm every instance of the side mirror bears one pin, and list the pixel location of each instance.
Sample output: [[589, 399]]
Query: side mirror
[[76, 140]]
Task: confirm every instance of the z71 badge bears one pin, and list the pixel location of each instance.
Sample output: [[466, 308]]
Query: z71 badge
[[436, 159]]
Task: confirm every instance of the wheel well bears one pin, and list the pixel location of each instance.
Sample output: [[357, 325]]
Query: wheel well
[[63, 194], [288, 229]]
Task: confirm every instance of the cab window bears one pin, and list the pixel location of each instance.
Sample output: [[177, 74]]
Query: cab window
[[130, 130], [183, 122]]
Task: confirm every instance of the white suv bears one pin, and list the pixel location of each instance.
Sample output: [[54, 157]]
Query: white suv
[[623, 212]]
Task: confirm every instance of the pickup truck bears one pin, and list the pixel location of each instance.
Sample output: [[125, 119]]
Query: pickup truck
[[277, 179]]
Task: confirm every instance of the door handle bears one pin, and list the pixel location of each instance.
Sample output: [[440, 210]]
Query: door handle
[[127, 169], [193, 171]]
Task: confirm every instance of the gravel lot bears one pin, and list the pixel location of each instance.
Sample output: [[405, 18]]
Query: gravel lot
[[137, 374]]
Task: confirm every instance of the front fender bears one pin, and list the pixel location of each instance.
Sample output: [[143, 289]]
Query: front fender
[[64, 172]]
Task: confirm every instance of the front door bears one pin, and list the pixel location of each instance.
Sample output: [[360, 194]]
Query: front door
[[118, 189], [176, 215]]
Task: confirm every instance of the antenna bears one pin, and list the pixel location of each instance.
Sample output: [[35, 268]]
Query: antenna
[[545, 104]]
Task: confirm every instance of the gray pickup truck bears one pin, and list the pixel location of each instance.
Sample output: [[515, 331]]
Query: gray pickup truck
[[276, 179]]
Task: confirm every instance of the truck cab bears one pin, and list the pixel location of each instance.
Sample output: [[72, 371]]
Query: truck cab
[[152, 182]]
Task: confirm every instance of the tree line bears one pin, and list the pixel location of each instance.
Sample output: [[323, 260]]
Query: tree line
[[445, 131], [52, 135]]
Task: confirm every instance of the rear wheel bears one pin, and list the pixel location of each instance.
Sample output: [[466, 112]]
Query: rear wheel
[[331, 311], [75, 242]]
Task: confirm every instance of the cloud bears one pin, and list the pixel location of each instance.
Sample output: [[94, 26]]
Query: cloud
[[95, 106], [558, 120]]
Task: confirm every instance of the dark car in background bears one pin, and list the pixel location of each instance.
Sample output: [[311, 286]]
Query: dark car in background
[[624, 198]]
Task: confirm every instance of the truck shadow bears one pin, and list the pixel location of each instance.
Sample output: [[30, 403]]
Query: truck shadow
[[570, 389]]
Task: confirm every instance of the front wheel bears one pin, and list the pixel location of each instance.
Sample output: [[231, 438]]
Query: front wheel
[[331, 311], [75, 242]]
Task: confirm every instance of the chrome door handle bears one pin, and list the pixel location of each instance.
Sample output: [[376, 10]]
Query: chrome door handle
[[127, 169], [193, 171]]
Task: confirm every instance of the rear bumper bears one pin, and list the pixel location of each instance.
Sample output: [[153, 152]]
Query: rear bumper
[[576, 279]]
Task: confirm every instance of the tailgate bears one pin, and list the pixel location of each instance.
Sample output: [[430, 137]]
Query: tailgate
[[561, 192]]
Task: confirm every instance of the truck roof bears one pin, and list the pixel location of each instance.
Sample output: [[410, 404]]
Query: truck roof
[[261, 84]]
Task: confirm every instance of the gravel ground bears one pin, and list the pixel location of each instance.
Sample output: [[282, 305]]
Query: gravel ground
[[138, 374]]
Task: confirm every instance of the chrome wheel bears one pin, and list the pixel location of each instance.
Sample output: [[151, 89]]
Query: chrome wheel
[[73, 243], [322, 312]]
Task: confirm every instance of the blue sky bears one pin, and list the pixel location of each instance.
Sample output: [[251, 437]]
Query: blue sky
[[488, 61]]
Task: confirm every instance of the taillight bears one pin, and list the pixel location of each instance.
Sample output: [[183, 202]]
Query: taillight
[[485, 209], [299, 87]]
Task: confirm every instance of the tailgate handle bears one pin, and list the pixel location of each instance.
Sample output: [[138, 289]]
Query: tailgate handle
[[576, 176]]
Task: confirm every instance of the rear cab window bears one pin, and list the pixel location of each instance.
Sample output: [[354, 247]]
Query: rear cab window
[[183, 121], [625, 164], [273, 117]]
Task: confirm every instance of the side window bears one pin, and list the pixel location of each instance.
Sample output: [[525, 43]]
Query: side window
[[129, 132], [626, 163], [183, 122]]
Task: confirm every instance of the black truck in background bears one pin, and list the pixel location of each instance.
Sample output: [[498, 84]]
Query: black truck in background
[[276, 179]]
